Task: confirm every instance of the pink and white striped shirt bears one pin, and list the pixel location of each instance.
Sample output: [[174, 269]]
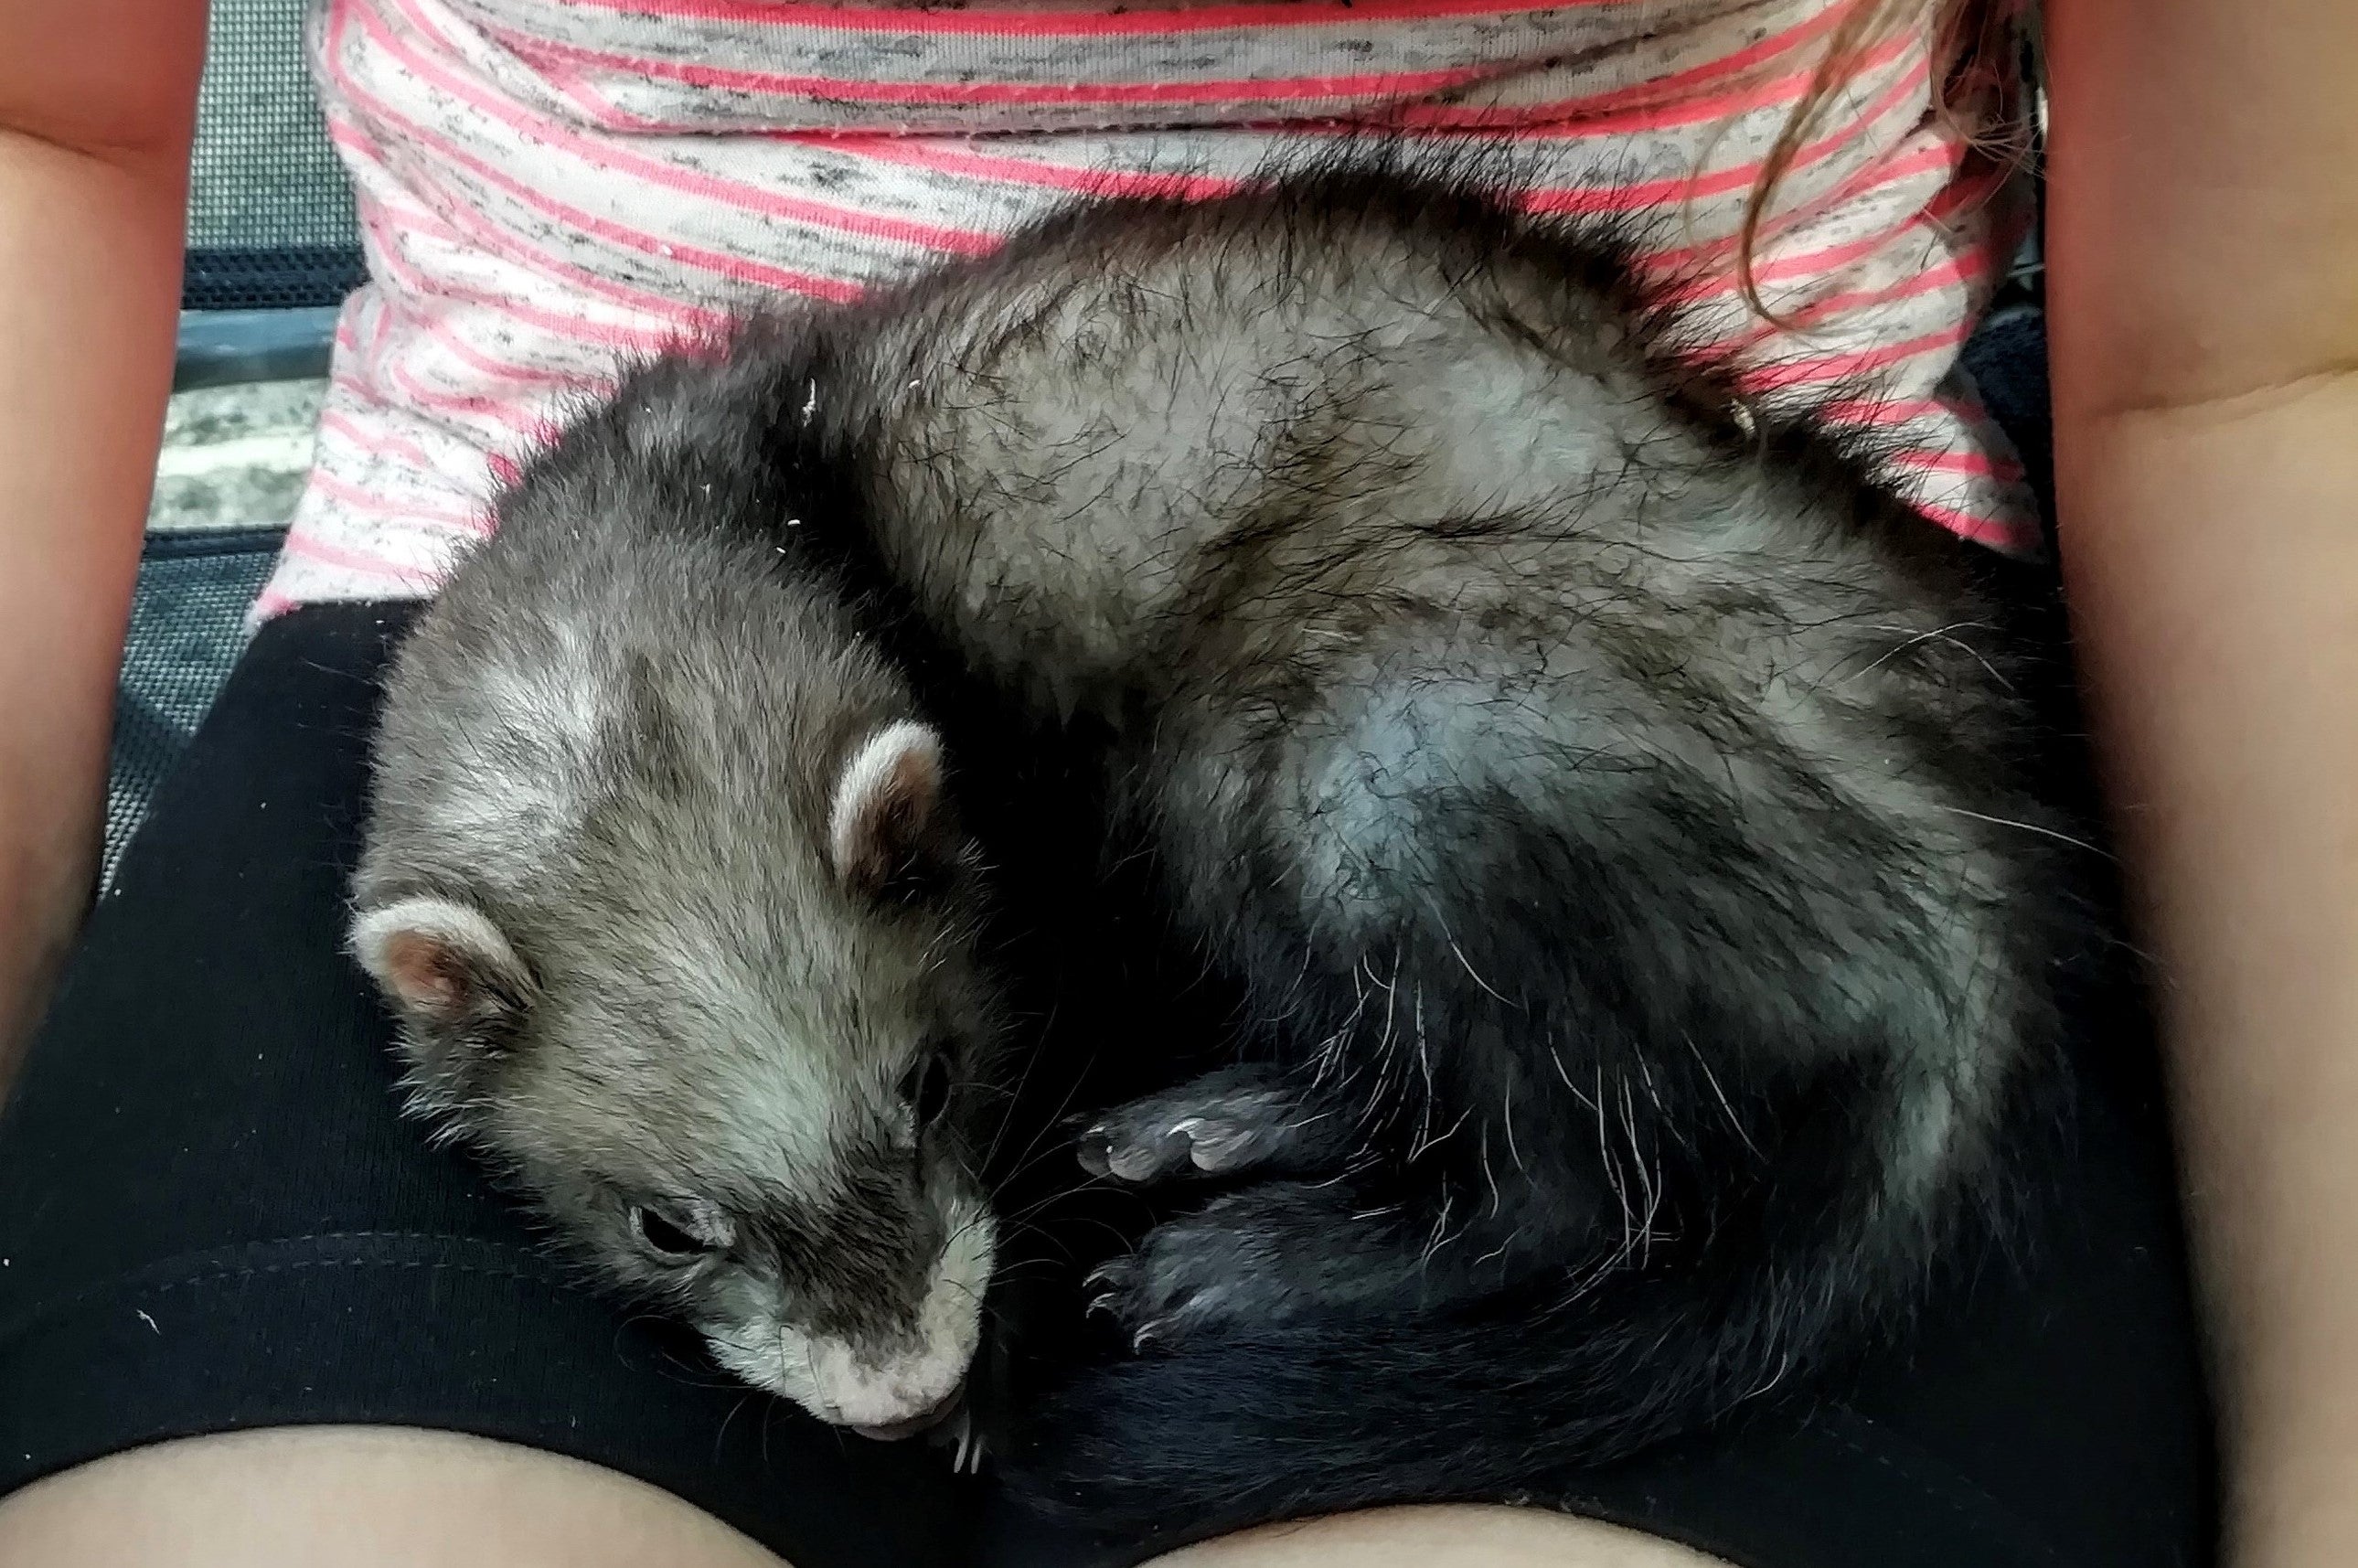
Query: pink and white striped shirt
[[549, 186]]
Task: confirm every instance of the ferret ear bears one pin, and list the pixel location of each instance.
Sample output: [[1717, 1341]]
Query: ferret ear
[[891, 826], [446, 968]]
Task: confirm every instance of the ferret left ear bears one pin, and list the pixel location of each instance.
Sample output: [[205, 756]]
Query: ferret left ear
[[891, 826], [450, 972]]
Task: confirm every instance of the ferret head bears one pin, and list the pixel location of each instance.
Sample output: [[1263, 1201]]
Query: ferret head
[[686, 942]]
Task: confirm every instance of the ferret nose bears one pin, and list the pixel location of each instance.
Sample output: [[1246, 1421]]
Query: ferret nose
[[893, 1432]]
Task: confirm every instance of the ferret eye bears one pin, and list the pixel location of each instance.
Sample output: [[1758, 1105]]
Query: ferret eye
[[927, 1086], [665, 1235]]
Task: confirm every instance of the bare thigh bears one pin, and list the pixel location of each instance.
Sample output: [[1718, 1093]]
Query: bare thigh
[[373, 1497], [366, 1496], [1450, 1537]]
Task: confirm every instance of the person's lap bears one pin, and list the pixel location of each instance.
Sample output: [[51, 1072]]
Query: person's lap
[[292, 1498], [213, 1221], [295, 1496]]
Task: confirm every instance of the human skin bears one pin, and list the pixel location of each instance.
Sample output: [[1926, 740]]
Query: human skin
[[97, 100], [2202, 291]]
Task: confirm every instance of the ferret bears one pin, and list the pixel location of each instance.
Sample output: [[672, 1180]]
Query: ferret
[[1615, 807]]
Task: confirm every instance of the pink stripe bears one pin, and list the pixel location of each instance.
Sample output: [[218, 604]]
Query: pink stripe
[[377, 443], [272, 603], [1865, 182], [376, 364], [511, 422], [1956, 194], [1874, 177], [607, 336], [1959, 270], [1891, 411], [597, 108], [736, 269], [733, 267], [917, 153], [1652, 107], [517, 374], [441, 332], [352, 495], [1980, 465], [1719, 181], [1657, 89], [1372, 84], [715, 188], [409, 214], [515, 422], [1840, 367], [380, 325], [354, 143], [1531, 119], [299, 543], [1998, 532], [1086, 22], [684, 320]]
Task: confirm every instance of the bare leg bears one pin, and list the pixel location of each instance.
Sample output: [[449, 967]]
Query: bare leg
[[1440, 1538], [364, 1496]]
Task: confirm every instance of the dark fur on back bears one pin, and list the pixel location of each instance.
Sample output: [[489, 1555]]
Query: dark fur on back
[[1613, 802]]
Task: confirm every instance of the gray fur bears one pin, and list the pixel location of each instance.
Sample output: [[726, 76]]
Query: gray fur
[[1613, 801]]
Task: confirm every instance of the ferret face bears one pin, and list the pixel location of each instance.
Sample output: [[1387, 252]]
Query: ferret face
[[838, 1259], [742, 1070], [801, 1193]]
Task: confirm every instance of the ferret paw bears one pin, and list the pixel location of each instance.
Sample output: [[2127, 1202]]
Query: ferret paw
[[1185, 1278], [1252, 1258], [1236, 1119]]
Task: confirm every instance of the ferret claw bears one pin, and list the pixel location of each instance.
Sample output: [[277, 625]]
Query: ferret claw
[[1117, 1272], [1226, 1123], [1101, 1154]]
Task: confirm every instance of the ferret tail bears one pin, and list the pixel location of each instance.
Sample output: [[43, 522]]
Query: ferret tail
[[1488, 1403]]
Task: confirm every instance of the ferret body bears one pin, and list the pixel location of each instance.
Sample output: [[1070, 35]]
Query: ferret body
[[1611, 803]]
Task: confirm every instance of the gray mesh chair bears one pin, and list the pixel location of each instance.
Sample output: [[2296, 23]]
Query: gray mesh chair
[[273, 249]]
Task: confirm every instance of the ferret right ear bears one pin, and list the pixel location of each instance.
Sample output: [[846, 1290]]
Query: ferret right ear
[[890, 825], [445, 968]]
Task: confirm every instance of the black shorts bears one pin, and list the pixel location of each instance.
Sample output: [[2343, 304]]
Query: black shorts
[[212, 1217]]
